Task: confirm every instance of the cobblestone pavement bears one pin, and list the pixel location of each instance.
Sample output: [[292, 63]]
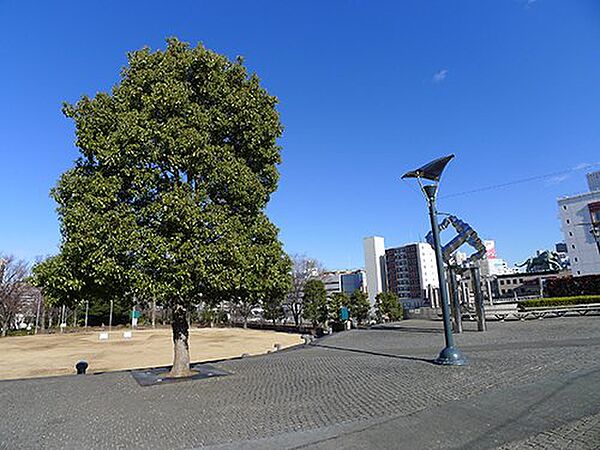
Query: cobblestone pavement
[[529, 384]]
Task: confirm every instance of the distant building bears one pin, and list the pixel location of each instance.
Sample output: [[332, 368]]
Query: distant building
[[346, 281], [490, 249], [523, 284], [493, 266], [560, 247], [593, 180], [374, 248], [411, 272], [580, 223], [561, 250]]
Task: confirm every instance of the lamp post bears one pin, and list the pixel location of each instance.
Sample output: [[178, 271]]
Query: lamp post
[[450, 355]]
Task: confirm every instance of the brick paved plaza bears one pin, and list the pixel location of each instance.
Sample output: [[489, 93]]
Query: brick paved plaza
[[529, 384]]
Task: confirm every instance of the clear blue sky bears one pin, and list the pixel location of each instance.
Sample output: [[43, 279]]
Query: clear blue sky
[[367, 89]]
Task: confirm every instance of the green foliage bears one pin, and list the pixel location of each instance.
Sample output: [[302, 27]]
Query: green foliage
[[335, 303], [315, 302], [572, 286], [560, 301], [57, 282], [167, 198], [99, 312], [273, 308], [359, 305], [388, 307]]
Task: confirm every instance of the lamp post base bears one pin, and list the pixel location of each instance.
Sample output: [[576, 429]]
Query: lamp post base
[[451, 356]]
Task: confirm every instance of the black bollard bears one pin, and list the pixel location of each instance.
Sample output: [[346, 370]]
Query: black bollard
[[481, 325], [81, 367]]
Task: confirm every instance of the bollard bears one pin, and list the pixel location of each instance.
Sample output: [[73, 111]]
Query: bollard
[[454, 301], [481, 325], [81, 367]]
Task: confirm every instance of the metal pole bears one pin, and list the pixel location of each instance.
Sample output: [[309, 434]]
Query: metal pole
[[63, 318], [87, 308], [481, 326], [489, 289], [154, 312], [37, 314], [454, 301], [110, 317], [449, 355]]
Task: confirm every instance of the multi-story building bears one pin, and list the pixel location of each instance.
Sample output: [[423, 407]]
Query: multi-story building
[[593, 180], [346, 281], [523, 284], [580, 223], [411, 271], [374, 248], [494, 266]]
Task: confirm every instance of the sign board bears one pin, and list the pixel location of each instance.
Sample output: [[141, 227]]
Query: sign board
[[344, 313], [103, 337]]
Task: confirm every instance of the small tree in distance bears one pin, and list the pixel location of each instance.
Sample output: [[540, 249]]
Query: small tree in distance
[[303, 269], [13, 275], [336, 301], [359, 306], [273, 308], [388, 307], [315, 302]]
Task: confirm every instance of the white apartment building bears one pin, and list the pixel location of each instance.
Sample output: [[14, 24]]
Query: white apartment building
[[580, 223], [411, 270]]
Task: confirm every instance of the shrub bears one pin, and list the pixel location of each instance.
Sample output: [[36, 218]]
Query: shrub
[[572, 286], [560, 301]]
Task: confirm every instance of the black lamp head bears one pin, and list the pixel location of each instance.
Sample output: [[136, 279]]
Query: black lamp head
[[430, 171]]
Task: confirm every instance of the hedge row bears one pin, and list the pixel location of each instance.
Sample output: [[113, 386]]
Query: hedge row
[[560, 301], [572, 286]]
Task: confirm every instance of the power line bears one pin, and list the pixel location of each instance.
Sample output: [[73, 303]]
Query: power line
[[521, 181]]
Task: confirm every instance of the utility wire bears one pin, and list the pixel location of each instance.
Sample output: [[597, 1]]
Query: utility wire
[[521, 181]]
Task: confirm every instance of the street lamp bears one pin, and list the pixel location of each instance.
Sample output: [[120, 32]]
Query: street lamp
[[450, 355]]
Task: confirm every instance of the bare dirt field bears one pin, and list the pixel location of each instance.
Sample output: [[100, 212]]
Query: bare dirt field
[[57, 354]]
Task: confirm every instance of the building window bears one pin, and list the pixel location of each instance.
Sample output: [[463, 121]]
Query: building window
[[576, 259], [573, 246], [501, 281], [570, 233], [568, 221], [520, 280], [565, 207], [578, 272]]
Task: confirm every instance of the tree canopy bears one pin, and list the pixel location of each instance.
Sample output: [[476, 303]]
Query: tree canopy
[[167, 198]]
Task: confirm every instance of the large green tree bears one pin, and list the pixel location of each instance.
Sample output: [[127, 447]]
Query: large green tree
[[167, 198]]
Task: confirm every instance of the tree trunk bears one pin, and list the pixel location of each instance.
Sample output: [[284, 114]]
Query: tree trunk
[[181, 348]]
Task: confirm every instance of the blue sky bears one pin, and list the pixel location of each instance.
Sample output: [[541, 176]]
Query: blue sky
[[367, 89]]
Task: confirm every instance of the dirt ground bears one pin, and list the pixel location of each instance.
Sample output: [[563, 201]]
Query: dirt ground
[[57, 354]]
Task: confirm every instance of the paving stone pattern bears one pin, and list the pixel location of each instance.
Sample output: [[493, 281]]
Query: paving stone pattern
[[362, 376]]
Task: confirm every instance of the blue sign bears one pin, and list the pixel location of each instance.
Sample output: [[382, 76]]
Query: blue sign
[[344, 313]]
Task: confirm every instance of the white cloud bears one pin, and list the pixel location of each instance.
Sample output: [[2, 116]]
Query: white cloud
[[557, 179], [440, 76]]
